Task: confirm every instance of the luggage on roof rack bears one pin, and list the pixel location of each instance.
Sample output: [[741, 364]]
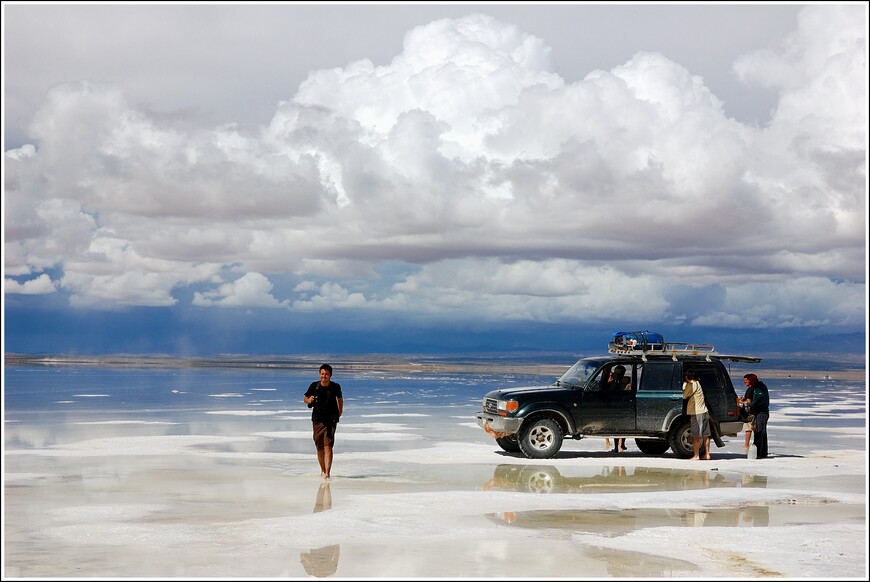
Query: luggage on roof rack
[[626, 342], [650, 343]]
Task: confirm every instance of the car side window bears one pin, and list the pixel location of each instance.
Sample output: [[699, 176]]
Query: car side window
[[659, 376], [603, 379], [627, 381], [707, 376]]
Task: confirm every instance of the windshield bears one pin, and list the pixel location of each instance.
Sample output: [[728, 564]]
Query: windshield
[[580, 372]]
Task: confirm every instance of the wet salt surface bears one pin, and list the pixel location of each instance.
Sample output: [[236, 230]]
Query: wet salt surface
[[164, 477]]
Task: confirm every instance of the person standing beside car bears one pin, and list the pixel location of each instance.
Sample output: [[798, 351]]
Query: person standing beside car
[[616, 381], [326, 402], [749, 425], [696, 408], [759, 406]]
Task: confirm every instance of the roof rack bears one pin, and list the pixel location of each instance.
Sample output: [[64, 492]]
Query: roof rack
[[650, 343]]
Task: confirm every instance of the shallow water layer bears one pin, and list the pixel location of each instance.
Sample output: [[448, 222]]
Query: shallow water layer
[[189, 473]]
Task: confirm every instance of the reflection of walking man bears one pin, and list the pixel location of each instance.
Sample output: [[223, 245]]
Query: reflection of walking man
[[323, 561], [325, 400], [324, 498]]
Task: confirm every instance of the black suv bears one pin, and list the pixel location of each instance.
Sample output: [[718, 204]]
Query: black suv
[[648, 404]]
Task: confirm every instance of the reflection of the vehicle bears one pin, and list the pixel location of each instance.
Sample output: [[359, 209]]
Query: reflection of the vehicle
[[621, 521], [321, 562], [548, 479]]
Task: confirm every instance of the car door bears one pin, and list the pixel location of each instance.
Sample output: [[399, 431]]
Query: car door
[[660, 391], [608, 412], [713, 384]]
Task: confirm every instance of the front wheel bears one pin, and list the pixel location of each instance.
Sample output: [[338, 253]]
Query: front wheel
[[652, 446], [540, 479], [680, 439], [509, 443], [541, 438]]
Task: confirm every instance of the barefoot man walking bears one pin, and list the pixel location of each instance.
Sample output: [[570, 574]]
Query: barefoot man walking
[[327, 404]]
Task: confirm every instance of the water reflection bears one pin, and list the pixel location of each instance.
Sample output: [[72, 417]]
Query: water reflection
[[609, 522], [321, 562], [548, 479], [323, 501], [626, 563]]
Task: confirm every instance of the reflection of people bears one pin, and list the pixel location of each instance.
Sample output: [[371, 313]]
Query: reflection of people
[[613, 471], [321, 562], [759, 405], [696, 518], [616, 381], [696, 408], [327, 405], [324, 498]]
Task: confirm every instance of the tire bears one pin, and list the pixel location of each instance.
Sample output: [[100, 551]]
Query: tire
[[680, 439], [509, 443], [652, 446], [540, 438]]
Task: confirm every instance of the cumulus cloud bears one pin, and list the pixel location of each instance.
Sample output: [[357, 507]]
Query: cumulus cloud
[[250, 290], [38, 286], [467, 178]]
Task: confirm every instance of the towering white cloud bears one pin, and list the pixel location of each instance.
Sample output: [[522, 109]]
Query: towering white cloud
[[498, 188]]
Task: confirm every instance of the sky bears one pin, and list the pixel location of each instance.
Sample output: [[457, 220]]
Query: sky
[[281, 178]]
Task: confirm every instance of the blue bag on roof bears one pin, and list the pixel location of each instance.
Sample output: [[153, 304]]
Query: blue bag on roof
[[637, 340]]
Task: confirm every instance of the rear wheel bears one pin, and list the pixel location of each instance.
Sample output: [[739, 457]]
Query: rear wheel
[[509, 443], [652, 446], [540, 438], [680, 439]]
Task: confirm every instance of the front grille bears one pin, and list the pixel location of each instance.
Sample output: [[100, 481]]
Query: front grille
[[490, 405]]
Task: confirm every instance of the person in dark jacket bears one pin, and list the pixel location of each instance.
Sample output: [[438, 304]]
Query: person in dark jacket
[[759, 406], [749, 425], [617, 381], [327, 405]]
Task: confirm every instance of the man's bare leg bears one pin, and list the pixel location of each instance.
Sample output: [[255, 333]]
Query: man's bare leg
[[321, 458], [327, 461]]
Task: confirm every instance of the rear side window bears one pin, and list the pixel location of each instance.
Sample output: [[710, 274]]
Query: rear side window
[[707, 375], [660, 376]]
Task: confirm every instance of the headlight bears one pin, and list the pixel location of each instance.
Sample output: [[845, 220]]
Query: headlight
[[507, 405]]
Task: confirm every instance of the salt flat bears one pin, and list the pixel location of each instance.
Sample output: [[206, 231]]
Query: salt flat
[[188, 485]]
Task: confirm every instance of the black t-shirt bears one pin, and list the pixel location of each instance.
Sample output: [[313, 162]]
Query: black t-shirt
[[325, 407]]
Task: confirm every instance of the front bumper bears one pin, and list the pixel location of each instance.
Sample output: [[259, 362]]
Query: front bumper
[[499, 423]]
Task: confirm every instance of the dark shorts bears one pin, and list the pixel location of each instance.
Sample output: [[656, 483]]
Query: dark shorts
[[700, 425], [324, 434]]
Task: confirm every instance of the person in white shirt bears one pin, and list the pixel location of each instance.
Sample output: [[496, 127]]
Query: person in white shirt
[[696, 408]]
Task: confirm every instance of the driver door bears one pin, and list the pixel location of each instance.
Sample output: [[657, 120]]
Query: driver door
[[609, 411]]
